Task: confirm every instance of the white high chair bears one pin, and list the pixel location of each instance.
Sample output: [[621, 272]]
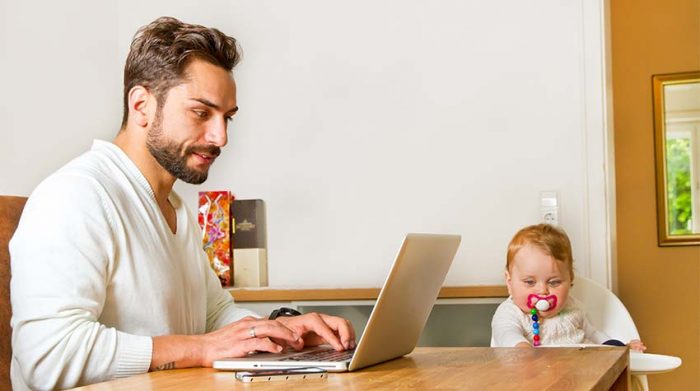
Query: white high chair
[[609, 315]]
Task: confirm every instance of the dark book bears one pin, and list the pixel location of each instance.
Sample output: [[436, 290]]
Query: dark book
[[248, 226]]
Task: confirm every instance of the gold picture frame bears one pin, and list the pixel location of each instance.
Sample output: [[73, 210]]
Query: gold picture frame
[[677, 156]]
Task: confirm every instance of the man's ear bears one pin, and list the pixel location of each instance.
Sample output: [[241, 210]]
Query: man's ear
[[508, 282], [139, 101]]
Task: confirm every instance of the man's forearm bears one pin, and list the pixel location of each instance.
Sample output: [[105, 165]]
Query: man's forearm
[[176, 351]]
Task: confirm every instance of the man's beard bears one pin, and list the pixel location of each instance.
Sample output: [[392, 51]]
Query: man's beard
[[173, 156]]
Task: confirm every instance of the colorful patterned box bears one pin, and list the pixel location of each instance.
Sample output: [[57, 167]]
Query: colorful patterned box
[[215, 220]]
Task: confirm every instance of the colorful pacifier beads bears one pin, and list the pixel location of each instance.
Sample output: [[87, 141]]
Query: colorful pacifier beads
[[535, 327], [542, 304]]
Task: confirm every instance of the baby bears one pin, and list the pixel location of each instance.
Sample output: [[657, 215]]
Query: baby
[[539, 311]]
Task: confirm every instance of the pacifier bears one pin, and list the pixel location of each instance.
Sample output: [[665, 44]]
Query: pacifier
[[541, 303]]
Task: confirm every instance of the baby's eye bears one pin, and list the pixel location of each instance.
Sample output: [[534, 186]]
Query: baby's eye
[[554, 283], [529, 282]]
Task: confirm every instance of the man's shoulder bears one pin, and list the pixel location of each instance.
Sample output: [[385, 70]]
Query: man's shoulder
[[91, 164], [97, 169], [90, 178]]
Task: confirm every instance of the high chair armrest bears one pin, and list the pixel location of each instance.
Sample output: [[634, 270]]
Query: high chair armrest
[[648, 364]]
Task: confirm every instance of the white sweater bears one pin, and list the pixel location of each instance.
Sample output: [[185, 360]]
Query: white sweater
[[510, 326], [96, 272]]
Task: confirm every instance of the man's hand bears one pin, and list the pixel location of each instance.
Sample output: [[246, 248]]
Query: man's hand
[[249, 335], [316, 329], [244, 336], [234, 340]]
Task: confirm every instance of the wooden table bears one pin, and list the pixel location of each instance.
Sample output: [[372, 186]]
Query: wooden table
[[601, 368]]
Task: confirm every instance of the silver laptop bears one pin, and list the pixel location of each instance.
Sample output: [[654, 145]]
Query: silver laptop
[[396, 321]]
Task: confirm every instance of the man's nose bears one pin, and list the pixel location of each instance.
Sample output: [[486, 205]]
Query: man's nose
[[217, 133]]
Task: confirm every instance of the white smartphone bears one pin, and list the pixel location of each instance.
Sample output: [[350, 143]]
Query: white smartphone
[[282, 374]]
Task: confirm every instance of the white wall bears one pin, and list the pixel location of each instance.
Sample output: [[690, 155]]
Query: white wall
[[60, 77], [360, 121]]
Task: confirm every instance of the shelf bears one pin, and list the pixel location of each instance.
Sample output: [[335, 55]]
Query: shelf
[[247, 295]]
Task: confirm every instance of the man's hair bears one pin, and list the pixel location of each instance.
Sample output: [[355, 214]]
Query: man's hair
[[161, 51], [550, 239]]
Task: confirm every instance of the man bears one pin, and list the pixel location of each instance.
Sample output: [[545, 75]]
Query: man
[[108, 275]]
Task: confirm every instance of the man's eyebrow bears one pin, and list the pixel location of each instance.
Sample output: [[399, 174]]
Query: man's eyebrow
[[213, 105]]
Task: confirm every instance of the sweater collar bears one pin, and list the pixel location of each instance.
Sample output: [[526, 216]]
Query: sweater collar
[[117, 154]]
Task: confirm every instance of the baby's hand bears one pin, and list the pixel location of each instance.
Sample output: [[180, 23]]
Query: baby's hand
[[637, 345]]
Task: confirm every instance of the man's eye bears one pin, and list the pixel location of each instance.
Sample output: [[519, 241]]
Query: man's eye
[[229, 119], [201, 114]]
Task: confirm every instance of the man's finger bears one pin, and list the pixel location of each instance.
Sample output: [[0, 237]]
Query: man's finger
[[319, 326], [343, 328], [259, 345], [296, 345], [266, 328]]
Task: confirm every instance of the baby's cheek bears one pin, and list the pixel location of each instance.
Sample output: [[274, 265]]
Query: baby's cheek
[[561, 304], [521, 302]]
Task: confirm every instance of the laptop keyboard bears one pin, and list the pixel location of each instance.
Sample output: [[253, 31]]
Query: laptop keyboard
[[329, 354]]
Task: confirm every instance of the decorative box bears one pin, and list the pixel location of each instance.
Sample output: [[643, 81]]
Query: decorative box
[[215, 219]]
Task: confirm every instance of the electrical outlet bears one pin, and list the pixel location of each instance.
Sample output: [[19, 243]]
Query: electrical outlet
[[549, 207], [550, 218]]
